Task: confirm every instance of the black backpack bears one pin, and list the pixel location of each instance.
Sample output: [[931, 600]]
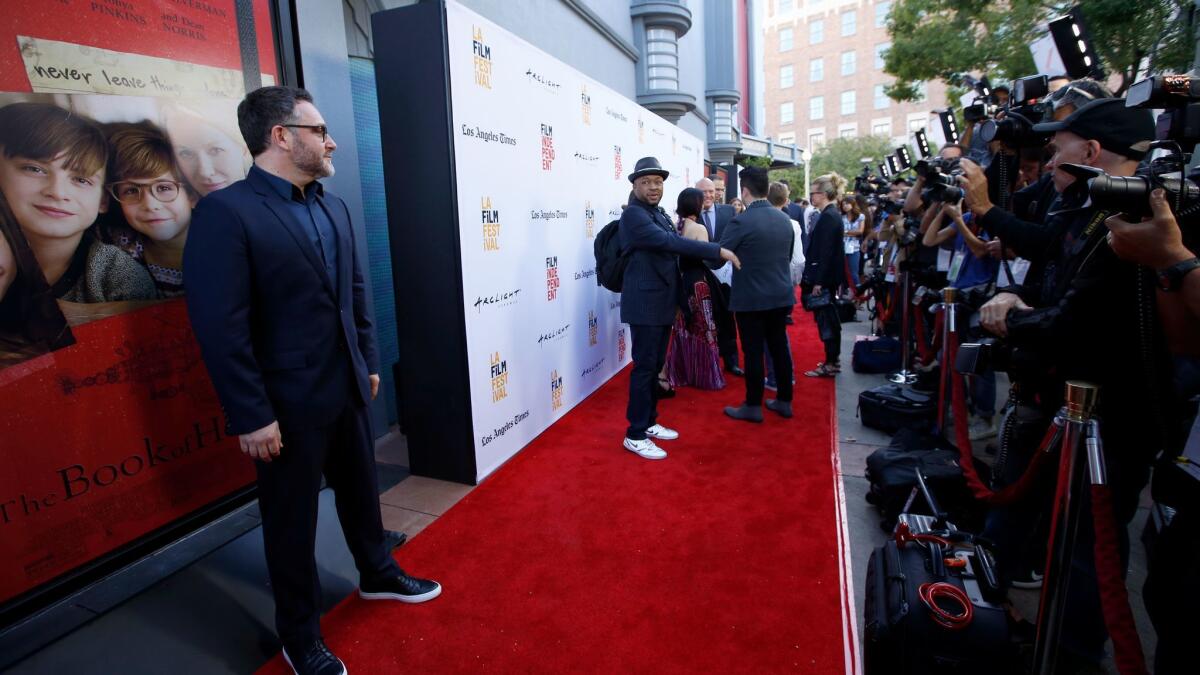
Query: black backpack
[[610, 261]]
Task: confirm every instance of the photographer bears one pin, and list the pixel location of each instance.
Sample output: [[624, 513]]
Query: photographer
[[1086, 322]]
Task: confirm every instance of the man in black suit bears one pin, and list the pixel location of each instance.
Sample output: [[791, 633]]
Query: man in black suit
[[762, 298], [824, 268], [278, 304], [715, 217], [649, 298]]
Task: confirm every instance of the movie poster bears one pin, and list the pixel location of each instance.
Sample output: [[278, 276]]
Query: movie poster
[[116, 117]]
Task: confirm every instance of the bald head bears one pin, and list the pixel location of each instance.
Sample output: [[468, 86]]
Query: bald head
[[710, 191]]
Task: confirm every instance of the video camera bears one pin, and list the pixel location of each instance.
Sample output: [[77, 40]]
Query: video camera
[[868, 184], [1025, 109], [941, 179], [984, 104], [1178, 131]]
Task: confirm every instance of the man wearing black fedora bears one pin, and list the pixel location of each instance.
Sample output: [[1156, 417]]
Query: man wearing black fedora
[[649, 297]]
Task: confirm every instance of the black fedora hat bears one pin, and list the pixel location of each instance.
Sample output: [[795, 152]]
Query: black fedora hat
[[648, 166]]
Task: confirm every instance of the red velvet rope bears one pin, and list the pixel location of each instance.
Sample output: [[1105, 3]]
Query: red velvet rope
[[962, 438], [1114, 600], [889, 308], [924, 347]]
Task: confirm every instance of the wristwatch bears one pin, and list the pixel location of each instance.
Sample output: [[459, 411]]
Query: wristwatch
[[1171, 278]]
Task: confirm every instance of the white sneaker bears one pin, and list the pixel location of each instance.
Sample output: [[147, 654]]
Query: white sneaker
[[662, 433], [981, 428], [646, 449]]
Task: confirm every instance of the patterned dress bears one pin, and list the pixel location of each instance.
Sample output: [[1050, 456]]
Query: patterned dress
[[693, 358]]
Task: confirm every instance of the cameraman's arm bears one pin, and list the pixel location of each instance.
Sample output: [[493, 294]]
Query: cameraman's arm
[[979, 247], [1157, 243], [1089, 295], [927, 217], [1029, 240], [912, 201], [935, 234]]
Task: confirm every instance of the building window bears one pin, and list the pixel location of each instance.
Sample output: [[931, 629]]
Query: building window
[[785, 39], [816, 108], [786, 6], [787, 139], [848, 23], [816, 140], [786, 113], [882, 129], [723, 121], [785, 77], [916, 121], [881, 14], [662, 59], [848, 102], [922, 92], [816, 32], [849, 62], [879, 50], [816, 70], [849, 131], [881, 99]]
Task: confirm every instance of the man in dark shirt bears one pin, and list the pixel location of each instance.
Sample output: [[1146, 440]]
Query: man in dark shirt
[[278, 303]]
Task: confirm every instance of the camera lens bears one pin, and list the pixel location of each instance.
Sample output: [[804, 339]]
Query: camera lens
[[1119, 191]]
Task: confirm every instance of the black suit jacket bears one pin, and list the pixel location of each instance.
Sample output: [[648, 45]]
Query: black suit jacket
[[725, 213], [650, 288], [825, 261], [762, 238], [279, 342]]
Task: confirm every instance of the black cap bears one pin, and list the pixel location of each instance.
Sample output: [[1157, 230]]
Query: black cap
[[648, 166], [1125, 131]]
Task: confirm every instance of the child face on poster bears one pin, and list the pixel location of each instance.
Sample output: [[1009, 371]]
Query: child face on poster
[[158, 207], [51, 199], [208, 157]]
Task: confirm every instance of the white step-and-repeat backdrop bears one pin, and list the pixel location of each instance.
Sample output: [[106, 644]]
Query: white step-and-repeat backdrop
[[543, 155]]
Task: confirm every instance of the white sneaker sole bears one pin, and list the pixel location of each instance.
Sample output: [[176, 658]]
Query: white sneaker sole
[[644, 456], [296, 672], [410, 599], [663, 437]]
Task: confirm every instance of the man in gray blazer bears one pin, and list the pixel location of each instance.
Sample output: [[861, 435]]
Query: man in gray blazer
[[715, 217], [650, 298], [762, 294]]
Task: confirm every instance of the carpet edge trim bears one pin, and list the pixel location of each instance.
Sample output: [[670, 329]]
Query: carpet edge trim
[[850, 642]]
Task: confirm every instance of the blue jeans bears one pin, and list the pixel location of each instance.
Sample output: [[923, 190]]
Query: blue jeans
[[853, 260], [983, 394]]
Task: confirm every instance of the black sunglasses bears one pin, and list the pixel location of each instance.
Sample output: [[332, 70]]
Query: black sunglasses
[[320, 128]]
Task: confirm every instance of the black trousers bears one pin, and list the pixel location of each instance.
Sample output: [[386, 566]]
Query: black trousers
[[726, 328], [288, 488], [649, 355], [767, 326]]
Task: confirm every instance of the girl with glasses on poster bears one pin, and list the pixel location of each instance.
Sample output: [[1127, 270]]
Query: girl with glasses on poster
[[154, 204], [52, 168]]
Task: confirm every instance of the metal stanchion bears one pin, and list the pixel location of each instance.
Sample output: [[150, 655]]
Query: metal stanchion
[[904, 375], [1080, 427], [948, 306]]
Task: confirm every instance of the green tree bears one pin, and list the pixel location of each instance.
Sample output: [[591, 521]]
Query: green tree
[[943, 39], [843, 155]]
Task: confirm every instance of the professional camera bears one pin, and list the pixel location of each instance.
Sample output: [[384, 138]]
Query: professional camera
[[912, 231], [868, 184], [1015, 127], [888, 207], [943, 188], [1178, 132]]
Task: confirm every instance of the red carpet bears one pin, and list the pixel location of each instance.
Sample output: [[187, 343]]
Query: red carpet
[[578, 556]]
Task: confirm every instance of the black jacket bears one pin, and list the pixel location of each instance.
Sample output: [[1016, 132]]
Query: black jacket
[[825, 258], [762, 238]]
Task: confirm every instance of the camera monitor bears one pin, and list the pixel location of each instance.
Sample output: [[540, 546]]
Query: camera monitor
[[1026, 89]]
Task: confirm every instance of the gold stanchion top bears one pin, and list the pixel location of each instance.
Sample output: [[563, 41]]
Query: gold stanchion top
[[949, 295], [1081, 399]]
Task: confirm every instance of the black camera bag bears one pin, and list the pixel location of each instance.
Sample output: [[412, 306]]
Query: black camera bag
[[892, 474], [847, 311], [899, 633], [891, 407], [876, 355]]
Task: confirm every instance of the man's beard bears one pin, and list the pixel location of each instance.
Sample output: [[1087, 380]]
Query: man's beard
[[311, 162]]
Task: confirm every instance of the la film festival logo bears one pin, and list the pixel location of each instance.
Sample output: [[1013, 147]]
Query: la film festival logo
[[483, 59], [489, 218], [499, 378], [556, 391], [547, 147], [593, 328], [617, 162], [673, 148], [641, 130], [589, 220], [585, 102], [621, 345], [551, 277]]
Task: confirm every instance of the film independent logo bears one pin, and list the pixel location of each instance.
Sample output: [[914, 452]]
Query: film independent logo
[[489, 219], [552, 278], [617, 169], [589, 220], [547, 147], [585, 103], [483, 58]]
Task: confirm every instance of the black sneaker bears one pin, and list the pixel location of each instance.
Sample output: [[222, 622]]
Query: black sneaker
[[313, 658], [403, 588]]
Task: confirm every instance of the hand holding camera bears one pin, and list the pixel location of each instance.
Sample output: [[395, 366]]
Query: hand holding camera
[[975, 188], [1156, 242], [993, 316]]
